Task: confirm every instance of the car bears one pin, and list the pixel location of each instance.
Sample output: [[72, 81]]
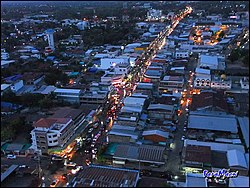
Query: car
[[90, 130], [86, 151], [183, 137], [185, 129], [92, 145], [71, 164], [64, 176], [87, 162], [23, 166], [54, 183], [88, 139], [11, 156]]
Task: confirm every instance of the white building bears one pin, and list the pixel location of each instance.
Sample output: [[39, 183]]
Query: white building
[[50, 36], [244, 83], [221, 82], [82, 25], [107, 63], [179, 54], [213, 62], [202, 78], [154, 14], [51, 132]]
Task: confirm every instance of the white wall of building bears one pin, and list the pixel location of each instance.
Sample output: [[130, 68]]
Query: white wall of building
[[107, 63]]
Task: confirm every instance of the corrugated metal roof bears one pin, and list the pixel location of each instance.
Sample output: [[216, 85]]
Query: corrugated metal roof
[[236, 158]]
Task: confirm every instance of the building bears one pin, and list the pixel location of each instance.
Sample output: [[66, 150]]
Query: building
[[195, 180], [68, 95], [110, 62], [170, 84], [244, 83], [105, 176], [51, 132], [212, 122], [152, 76], [82, 25], [221, 82], [209, 100], [94, 97], [197, 156], [5, 88], [50, 36], [212, 62], [202, 78], [156, 135], [237, 160], [123, 134], [240, 181], [244, 128], [154, 15], [144, 154], [181, 54], [161, 111]]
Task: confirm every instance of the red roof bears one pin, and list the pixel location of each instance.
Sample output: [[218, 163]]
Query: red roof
[[48, 122], [207, 99]]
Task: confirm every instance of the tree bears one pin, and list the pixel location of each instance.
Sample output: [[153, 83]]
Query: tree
[[46, 103], [10, 97], [234, 55], [246, 60], [222, 34]]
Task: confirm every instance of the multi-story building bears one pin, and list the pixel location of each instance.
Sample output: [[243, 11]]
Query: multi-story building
[[69, 95], [221, 82], [171, 84], [153, 14], [56, 130], [51, 132], [94, 97], [202, 78]]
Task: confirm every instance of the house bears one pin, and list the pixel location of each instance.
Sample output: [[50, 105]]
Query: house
[[197, 156], [105, 176], [195, 180], [152, 76], [145, 88], [161, 111], [69, 95], [155, 135], [123, 134], [143, 154], [5, 88], [181, 54]]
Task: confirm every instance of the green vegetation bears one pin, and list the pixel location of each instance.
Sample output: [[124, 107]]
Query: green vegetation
[[240, 54], [54, 76]]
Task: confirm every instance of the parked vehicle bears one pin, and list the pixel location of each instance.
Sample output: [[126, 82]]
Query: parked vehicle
[[10, 156]]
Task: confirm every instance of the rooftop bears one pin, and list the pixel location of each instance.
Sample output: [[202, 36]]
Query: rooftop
[[201, 154], [236, 158], [156, 132], [214, 123], [144, 153], [244, 125], [103, 176], [161, 107]]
